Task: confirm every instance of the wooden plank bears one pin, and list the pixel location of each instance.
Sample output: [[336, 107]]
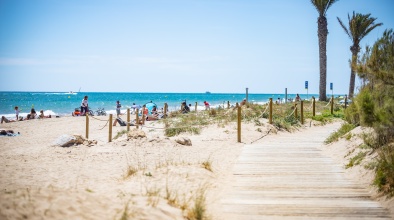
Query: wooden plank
[[287, 177]]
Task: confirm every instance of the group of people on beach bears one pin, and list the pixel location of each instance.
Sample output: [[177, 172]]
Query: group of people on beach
[[280, 101], [31, 115]]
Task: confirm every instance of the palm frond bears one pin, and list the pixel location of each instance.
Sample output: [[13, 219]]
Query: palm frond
[[345, 28], [359, 26], [323, 5]]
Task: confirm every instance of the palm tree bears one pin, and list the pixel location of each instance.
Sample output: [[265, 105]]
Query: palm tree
[[359, 26], [322, 6]]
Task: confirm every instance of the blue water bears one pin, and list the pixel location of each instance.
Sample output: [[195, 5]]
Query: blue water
[[63, 103]]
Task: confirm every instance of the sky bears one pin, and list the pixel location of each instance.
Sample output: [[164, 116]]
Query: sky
[[221, 46]]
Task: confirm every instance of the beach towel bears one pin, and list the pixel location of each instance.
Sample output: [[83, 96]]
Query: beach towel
[[9, 133]]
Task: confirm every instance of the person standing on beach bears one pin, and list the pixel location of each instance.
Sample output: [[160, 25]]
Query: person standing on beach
[[298, 98], [17, 112], [207, 106], [135, 108], [118, 106], [84, 105]]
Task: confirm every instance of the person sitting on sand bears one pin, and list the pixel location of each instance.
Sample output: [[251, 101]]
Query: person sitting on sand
[[242, 103], [43, 116], [184, 108], [154, 110], [298, 98], [76, 112], [152, 118], [31, 115], [145, 110]]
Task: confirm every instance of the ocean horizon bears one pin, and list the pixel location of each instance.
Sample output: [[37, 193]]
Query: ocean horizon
[[63, 103]]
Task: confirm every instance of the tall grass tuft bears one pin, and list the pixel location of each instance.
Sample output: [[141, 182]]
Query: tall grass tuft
[[130, 171], [345, 128], [207, 165], [356, 160], [119, 134], [199, 210]]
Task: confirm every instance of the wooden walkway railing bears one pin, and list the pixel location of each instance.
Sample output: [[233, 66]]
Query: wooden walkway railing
[[288, 177]]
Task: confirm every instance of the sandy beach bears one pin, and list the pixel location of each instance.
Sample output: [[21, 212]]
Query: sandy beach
[[142, 178]]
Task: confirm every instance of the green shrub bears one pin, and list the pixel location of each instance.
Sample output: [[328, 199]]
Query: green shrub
[[352, 114], [365, 101], [384, 178]]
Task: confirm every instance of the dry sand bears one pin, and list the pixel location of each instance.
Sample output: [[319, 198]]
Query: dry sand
[[42, 181]]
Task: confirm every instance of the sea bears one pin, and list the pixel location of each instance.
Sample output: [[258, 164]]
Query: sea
[[64, 103]]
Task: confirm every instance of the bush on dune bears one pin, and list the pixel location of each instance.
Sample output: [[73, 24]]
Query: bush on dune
[[374, 106]]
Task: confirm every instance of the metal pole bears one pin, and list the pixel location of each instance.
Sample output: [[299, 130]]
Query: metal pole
[[247, 95], [195, 108], [285, 95]]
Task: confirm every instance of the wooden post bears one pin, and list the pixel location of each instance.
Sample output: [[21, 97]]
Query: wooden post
[[87, 127], [239, 123], [314, 106], [128, 119], [110, 128], [143, 115], [332, 105], [270, 118], [165, 110], [228, 104], [345, 101], [195, 107], [302, 112], [137, 120], [295, 111]]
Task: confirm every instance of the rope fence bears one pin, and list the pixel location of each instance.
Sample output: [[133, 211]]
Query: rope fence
[[210, 117]]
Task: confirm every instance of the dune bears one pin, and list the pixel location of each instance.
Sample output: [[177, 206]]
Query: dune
[[142, 178]]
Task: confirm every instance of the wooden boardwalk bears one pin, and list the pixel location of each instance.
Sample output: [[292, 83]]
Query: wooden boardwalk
[[287, 177]]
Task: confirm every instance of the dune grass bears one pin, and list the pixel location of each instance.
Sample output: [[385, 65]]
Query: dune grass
[[283, 117], [345, 128]]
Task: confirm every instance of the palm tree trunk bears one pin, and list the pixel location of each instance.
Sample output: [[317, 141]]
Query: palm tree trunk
[[354, 49], [322, 33]]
